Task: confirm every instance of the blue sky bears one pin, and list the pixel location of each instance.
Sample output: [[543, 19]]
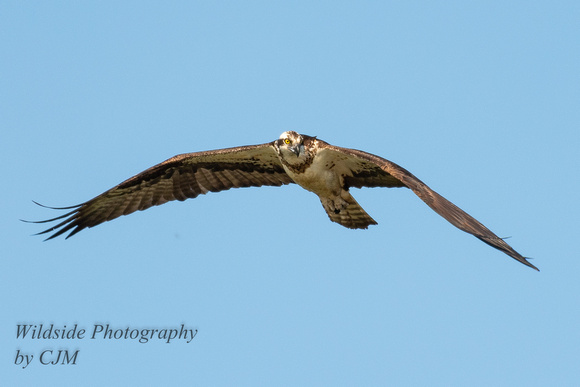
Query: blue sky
[[479, 100]]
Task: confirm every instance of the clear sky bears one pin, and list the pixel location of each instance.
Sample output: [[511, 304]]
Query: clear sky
[[479, 100]]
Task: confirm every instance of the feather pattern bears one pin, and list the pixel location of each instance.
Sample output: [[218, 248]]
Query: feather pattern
[[178, 178], [368, 170], [326, 170]]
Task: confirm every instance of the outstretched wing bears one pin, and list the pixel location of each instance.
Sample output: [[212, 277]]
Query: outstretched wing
[[178, 178], [362, 169]]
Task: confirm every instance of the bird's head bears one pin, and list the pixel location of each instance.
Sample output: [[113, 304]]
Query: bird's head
[[290, 146]]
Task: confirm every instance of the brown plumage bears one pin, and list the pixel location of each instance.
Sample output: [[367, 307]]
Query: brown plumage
[[317, 166]]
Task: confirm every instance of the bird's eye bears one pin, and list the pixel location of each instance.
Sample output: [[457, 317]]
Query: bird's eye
[[287, 141]]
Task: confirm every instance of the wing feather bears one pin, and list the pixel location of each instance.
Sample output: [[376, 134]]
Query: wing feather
[[178, 178], [362, 169]]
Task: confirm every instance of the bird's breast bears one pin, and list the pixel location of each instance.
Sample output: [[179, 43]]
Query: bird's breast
[[317, 178]]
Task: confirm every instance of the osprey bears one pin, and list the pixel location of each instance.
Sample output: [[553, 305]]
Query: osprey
[[326, 170]]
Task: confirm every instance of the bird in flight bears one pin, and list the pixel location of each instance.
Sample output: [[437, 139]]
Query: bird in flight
[[326, 170]]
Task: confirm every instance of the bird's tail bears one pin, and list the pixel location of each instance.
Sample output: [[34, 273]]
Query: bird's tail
[[347, 212]]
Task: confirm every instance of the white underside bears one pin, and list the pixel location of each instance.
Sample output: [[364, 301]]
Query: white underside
[[323, 181], [324, 177]]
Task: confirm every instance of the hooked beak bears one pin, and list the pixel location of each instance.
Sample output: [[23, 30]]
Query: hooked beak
[[296, 149]]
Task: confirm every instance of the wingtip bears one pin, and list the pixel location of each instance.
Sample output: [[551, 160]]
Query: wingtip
[[529, 264], [532, 266], [60, 228]]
